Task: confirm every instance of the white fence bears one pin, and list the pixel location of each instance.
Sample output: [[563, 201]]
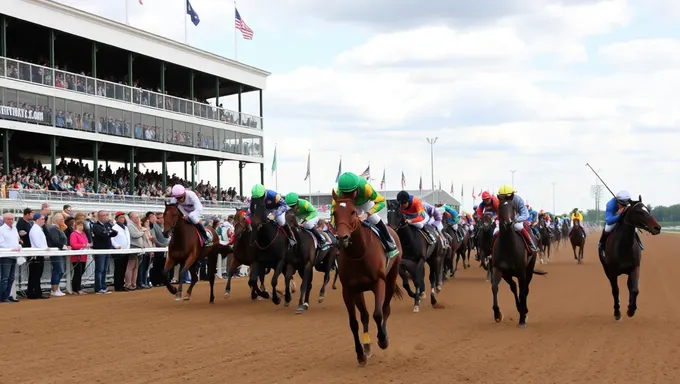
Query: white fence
[[21, 273]]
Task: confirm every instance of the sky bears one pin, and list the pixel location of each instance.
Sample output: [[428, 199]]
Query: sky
[[536, 86]]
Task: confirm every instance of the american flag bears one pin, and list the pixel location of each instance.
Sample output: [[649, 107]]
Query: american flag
[[309, 157], [382, 182], [241, 25], [403, 180], [452, 188], [474, 197], [420, 186], [367, 173]]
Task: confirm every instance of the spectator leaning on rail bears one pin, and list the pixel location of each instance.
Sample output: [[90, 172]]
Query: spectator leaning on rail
[[137, 242], [159, 240], [77, 241], [38, 241], [102, 232], [191, 207], [9, 239], [120, 241], [57, 239]]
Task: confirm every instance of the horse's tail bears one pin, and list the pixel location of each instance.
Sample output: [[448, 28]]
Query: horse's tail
[[398, 292], [540, 272]]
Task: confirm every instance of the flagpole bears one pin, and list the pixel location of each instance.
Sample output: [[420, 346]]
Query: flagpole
[[310, 176], [235, 37], [185, 23], [127, 15], [277, 168]]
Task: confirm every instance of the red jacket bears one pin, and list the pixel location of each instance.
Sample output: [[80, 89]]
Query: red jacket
[[484, 208], [78, 241]]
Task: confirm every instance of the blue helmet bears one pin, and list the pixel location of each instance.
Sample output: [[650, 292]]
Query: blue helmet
[[475, 207]]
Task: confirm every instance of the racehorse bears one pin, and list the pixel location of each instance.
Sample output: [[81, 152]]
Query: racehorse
[[558, 235], [454, 244], [623, 254], [364, 266], [185, 249], [511, 259], [243, 252], [565, 230], [544, 242], [416, 252], [464, 249], [577, 237], [484, 242], [270, 244]]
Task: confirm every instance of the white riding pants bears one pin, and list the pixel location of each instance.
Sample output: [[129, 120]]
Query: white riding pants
[[455, 227], [365, 208], [311, 223], [419, 224], [609, 227], [439, 226], [278, 217], [195, 217]]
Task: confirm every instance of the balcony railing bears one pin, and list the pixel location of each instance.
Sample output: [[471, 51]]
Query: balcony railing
[[37, 74], [74, 197]]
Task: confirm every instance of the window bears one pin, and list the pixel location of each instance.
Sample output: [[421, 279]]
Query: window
[[74, 118]]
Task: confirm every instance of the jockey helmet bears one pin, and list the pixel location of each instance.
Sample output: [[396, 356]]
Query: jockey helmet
[[257, 191], [292, 199], [486, 195], [575, 210], [506, 190], [475, 207], [623, 197], [541, 212], [348, 182], [177, 190], [403, 197]]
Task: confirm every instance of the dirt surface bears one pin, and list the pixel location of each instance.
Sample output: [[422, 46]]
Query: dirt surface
[[147, 337]]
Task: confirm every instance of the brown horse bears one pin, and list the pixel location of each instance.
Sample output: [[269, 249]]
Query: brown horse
[[577, 237], [363, 266], [243, 252], [185, 249]]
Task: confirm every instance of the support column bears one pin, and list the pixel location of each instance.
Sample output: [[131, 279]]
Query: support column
[[194, 164], [219, 178], [6, 136], [162, 76], [3, 36], [94, 59], [240, 90], [95, 160], [192, 76], [131, 60], [54, 142], [262, 173], [164, 170], [241, 165], [132, 171], [186, 173], [217, 91], [53, 37], [261, 114]]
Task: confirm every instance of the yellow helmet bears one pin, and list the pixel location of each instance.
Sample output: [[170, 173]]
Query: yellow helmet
[[506, 190]]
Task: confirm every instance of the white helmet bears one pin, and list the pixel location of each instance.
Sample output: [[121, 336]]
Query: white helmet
[[623, 196], [177, 190]]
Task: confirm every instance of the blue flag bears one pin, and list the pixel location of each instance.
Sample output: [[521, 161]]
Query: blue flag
[[194, 16]]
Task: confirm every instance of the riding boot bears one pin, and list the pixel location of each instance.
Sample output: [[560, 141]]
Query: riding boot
[[529, 240], [319, 236], [637, 236], [289, 233], [601, 243], [204, 234], [386, 238]]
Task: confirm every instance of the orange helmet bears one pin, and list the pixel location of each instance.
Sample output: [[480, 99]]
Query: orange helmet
[[486, 195]]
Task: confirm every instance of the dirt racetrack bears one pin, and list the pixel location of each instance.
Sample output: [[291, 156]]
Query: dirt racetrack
[[147, 337]]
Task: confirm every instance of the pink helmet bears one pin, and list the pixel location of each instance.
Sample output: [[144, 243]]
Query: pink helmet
[[177, 190]]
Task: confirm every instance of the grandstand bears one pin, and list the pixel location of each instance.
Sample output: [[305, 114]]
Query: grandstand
[[74, 85]]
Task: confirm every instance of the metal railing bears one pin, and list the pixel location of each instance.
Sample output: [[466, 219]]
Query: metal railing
[[74, 197], [37, 74]]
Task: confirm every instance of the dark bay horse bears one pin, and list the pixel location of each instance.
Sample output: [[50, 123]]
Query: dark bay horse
[[416, 252], [623, 254], [485, 242], [185, 249], [464, 249], [544, 242], [270, 244], [454, 244], [577, 237], [510, 259], [363, 266], [243, 253], [556, 230]]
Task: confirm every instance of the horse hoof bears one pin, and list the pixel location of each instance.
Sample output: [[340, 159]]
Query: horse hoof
[[334, 287], [383, 344], [321, 299], [423, 295], [522, 325], [416, 309], [630, 312], [306, 305], [178, 298], [186, 298], [227, 295], [300, 309], [367, 351], [439, 288], [265, 295], [287, 303], [618, 319], [499, 318], [276, 300], [362, 362]]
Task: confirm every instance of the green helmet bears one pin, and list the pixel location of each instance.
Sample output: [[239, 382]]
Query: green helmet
[[348, 182], [292, 199], [258, 191]]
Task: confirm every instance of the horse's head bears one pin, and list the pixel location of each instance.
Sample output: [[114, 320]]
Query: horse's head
[[171, 217], [291, 218], [506, 213], [395, 219], [638, 215], [487, 219], [240, 223], [258, 212], [345, 217]]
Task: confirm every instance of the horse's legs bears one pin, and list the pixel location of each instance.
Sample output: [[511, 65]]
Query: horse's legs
[[513, 287], [523, 293], [303, 303], [350, 299], [379, 292], [403, 268], [287, 276], [335, 278], [169, 265], [275, 281], [497, 274], [326, 279], [227, 289], [255, 273], [615, 294], [421, 277], [633, 291], [363, 315], [433, 283], [212, 270], [573, 248], [193, 271]]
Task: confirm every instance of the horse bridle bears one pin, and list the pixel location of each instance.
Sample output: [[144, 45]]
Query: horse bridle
[[625, 217]]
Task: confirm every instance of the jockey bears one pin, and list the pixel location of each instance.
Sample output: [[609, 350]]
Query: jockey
[[507, 193], [435, 220], [369, 201], [533, 219], [452, 219], [192, 209], [489, 204], [273, 203], [612, 216], [305, 210], [413, 209]]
